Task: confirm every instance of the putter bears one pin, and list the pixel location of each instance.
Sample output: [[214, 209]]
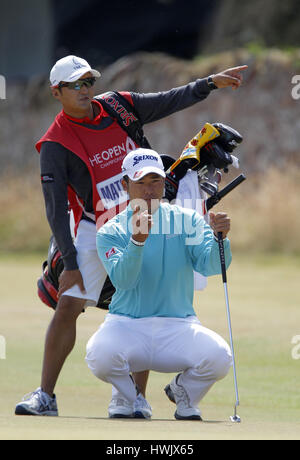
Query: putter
[[234, 418]]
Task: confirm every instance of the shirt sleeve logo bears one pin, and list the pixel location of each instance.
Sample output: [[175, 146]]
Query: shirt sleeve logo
[[110, 253], [47, 178]]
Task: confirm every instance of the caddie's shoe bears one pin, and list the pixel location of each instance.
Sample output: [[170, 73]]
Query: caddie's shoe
[[37, 403], [120, 408], [177, 394], [142, 408]]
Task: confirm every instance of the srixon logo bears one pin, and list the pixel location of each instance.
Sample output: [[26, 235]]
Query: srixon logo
[[126, 116], [139, 158]]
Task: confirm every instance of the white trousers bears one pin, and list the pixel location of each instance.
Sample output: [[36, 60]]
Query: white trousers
[[123, 345]]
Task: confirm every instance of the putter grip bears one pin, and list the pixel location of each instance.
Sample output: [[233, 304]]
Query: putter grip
[[222, 257], [214, 199]]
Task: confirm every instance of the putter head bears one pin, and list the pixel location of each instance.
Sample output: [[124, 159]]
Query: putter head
[[235, 419]]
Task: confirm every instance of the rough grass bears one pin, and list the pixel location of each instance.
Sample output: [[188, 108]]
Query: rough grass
[[23, 224], [265, 213]]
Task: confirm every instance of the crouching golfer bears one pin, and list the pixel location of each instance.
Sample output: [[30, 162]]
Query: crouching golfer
[[150, 251]]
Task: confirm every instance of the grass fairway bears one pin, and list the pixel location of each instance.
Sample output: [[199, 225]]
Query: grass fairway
[[265, 310]]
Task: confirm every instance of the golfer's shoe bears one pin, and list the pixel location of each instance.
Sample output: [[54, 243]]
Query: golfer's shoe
[[142, 408], [37, 403], [120, 408], [177, 394]]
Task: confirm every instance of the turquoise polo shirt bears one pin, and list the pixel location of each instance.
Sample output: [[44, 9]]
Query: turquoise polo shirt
[[157, 279]]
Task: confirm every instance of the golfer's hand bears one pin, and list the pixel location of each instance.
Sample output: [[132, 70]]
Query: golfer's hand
[[219, 222], [68, 279], [229, 77], [141, 225]]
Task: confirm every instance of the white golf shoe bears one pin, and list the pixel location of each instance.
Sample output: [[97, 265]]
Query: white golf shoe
[[177, 394], [119, 407], [142, 408]]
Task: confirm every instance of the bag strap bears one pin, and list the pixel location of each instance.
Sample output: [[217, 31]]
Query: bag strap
[[125, 116]]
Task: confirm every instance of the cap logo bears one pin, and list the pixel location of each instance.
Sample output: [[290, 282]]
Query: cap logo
[[77, 64], [139, 158], [137, 174]]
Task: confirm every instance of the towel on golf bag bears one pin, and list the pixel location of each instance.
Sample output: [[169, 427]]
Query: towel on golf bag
[[190, 196]]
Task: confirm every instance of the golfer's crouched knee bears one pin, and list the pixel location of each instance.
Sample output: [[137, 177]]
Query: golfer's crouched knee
[[101, 360], [218, 362], [222, 362]]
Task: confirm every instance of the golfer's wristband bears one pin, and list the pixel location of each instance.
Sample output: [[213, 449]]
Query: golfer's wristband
[[137, 243]]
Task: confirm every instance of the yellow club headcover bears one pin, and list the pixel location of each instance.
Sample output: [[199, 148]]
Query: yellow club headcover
[[191, 151]]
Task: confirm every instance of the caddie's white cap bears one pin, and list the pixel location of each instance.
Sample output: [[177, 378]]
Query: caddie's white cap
[[69, 69], [140, 162]]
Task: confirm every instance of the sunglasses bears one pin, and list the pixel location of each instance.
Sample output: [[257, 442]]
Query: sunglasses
[[77, 85]]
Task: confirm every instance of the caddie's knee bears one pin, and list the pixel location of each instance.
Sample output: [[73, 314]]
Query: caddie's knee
[[68, 309]]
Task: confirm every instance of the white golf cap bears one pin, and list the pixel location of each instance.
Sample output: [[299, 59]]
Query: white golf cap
[[140, 162], [69, 69]]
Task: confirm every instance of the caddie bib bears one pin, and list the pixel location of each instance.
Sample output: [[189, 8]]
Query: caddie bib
[[103, 151]]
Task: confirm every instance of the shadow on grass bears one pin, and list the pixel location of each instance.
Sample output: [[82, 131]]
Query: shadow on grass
[[134, 420]]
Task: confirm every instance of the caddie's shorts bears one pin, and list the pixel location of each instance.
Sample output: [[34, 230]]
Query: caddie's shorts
[[90, 266]]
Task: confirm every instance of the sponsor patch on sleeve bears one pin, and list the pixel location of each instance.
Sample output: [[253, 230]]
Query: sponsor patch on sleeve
[[110, 253], [47, 178]]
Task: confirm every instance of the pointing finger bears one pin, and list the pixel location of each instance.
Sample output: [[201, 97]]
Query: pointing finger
[[237, 69]]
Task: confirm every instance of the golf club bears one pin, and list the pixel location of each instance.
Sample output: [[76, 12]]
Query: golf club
[[235, 418]]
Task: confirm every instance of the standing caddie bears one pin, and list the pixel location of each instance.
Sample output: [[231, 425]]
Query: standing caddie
[[80, 158], [150, 251]]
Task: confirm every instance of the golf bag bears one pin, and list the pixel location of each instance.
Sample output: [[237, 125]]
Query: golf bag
[[48, 283]]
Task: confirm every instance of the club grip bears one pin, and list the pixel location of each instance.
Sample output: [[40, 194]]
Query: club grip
[[222, 257], [214, 199], [237, 181]]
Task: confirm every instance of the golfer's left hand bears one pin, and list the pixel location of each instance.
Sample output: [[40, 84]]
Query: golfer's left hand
[[219, 222], [229, 77]]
